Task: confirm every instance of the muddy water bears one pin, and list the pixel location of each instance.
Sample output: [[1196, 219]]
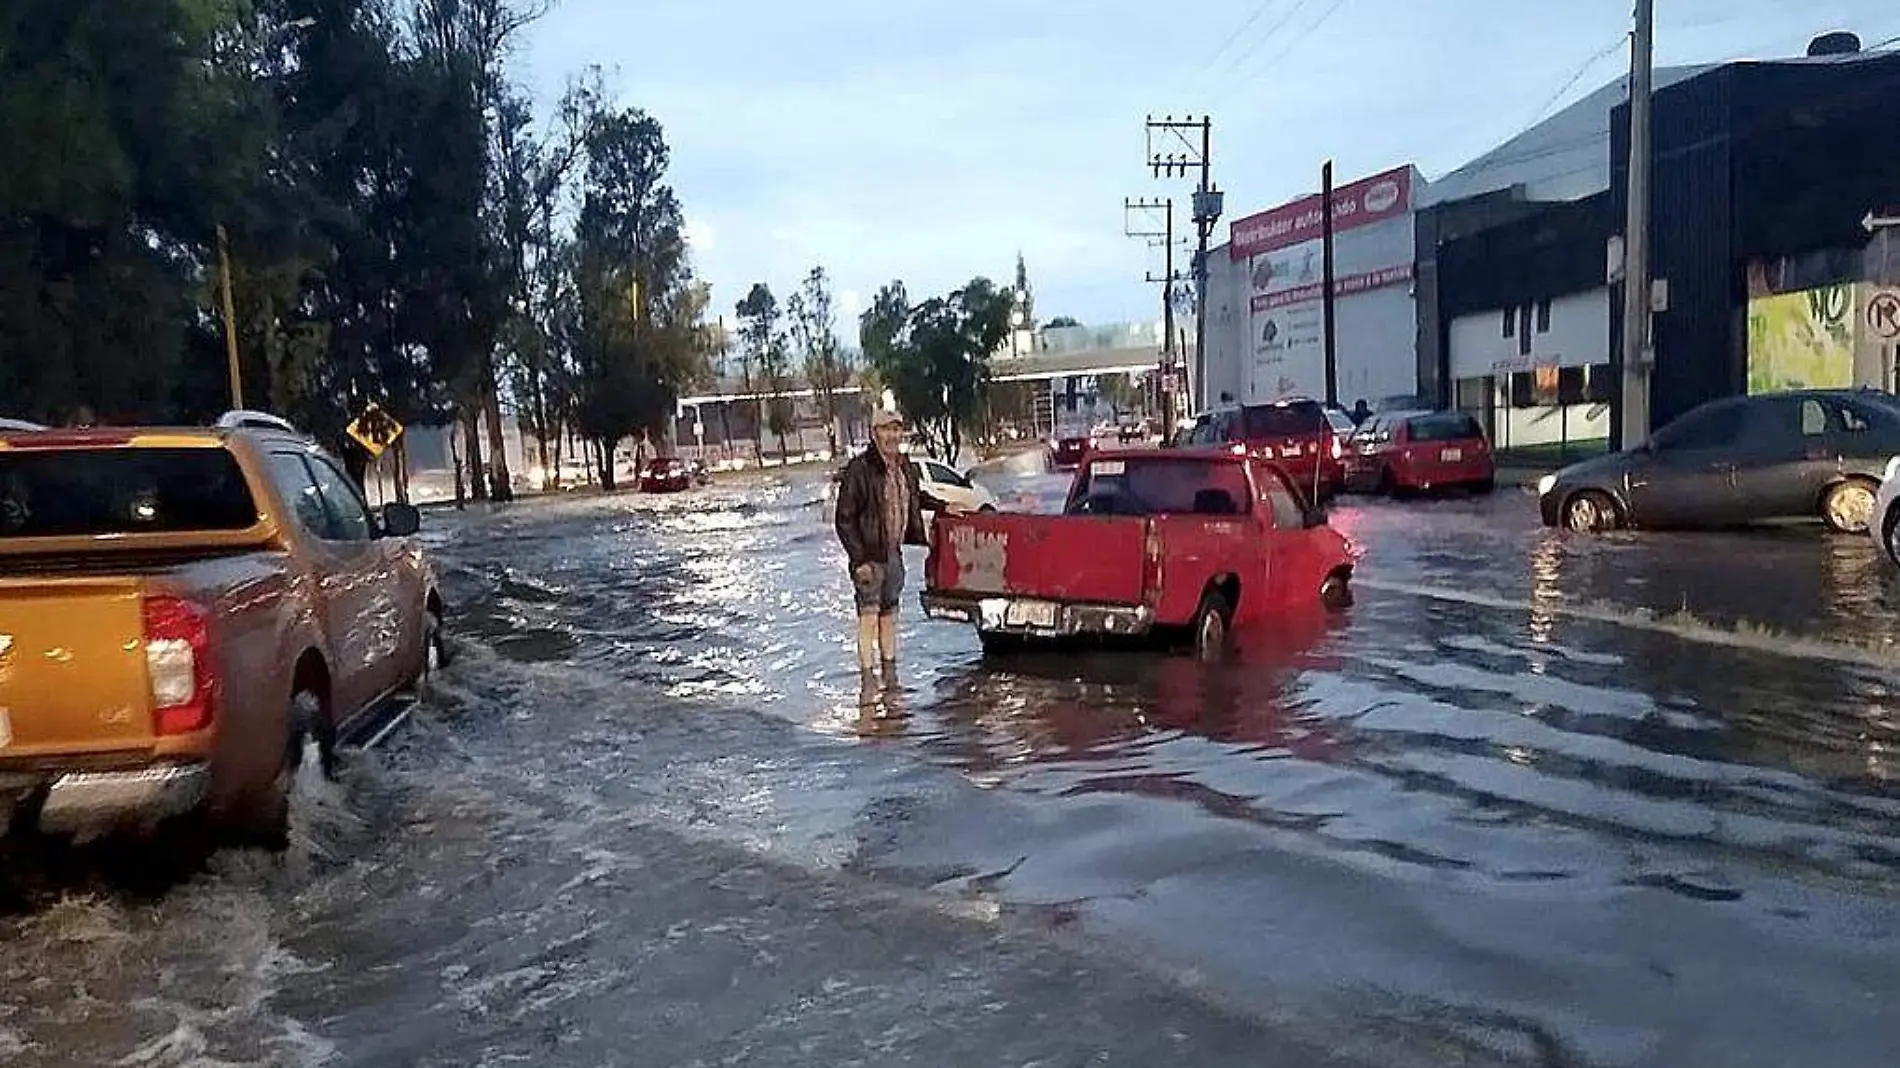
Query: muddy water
[[1532, 799]]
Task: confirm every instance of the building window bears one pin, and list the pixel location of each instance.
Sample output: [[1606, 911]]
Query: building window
[[1543, 316], [1510, 321], [1524, 332]]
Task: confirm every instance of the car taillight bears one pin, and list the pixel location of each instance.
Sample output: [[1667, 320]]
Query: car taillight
[[178, 665], [1238, 449], [1340, 450]]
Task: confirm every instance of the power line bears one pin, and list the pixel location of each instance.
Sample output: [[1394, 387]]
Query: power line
[[1234, 37], [1285, 17], [1297, 40], [1570, 83]]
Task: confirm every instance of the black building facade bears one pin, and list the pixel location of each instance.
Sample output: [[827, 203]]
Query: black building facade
[[1762, 175]]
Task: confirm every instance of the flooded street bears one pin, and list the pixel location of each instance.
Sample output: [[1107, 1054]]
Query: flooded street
[[1535, 799]]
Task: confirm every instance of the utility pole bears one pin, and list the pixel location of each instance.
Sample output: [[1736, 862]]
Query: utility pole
[[1327, 318], [1637, 353], [230, 319], [1207, 211], [1165, 237]]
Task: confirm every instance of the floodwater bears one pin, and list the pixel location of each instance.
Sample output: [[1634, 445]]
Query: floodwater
[[1535, 799]]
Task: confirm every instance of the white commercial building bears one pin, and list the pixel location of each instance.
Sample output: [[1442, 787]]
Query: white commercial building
[[1266, 313]]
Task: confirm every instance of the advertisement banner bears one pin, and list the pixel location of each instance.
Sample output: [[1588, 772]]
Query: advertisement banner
[[1802, 340], [1367, 201]]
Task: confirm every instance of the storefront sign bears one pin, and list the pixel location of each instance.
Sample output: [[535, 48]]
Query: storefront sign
[[1370, 200], [1342, 287]]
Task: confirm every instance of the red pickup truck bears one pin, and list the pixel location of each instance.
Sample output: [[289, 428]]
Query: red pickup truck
[[1188, 542]]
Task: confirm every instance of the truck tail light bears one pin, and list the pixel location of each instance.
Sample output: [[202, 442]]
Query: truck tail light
[[1151, 570], [178, 665]]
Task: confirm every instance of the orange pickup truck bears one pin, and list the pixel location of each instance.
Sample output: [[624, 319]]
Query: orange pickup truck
[[1190, 541], [183, 614]]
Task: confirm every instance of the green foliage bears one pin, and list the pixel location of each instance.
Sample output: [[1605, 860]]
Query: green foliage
[[402, 229], [763, 340], [935, 357]]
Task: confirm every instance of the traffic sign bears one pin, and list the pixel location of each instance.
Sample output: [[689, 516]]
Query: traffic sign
[[1883, 314], [375, 430]]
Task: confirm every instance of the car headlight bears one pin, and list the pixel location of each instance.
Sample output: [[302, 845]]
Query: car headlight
[[1546, 484], [1893, 470]]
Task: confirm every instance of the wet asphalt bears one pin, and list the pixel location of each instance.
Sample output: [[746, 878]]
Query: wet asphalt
[[1536, 799]]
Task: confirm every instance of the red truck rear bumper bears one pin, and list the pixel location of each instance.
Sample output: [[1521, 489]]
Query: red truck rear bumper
[[1033, 618]]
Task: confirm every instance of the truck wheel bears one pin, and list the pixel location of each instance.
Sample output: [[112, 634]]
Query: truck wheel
[[435, 655], [1210, 625], [264, 821], [1336, 592]]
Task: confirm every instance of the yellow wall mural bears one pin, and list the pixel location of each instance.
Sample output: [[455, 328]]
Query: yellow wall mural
[[1802, 340]]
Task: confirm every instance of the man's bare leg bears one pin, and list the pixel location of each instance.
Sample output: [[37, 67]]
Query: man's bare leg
[[868, 628], [887, 637]]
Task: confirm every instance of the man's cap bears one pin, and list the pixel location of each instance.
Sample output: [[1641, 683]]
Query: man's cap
[[886, 417]]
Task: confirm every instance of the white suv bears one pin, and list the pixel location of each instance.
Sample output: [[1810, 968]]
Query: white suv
[[1885, 524], [959, 492]]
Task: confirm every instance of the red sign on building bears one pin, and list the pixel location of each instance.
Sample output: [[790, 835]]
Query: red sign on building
[[1367, 201]]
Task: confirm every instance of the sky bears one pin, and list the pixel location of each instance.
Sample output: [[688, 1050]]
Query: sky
[[932, 142]]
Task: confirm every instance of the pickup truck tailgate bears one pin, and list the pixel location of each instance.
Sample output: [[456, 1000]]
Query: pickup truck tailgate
[[72, 667], [1072, 559]]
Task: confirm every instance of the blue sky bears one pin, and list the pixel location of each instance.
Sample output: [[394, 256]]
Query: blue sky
[[931, 142]]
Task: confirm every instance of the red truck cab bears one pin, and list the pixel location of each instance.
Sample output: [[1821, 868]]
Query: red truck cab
[[1180, 541]]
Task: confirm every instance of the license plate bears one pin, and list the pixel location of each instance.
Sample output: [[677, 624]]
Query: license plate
[[1289, 452], [1452, 456], [1031, 614]]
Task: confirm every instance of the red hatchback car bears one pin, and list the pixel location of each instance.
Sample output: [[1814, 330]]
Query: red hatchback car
[[666, 474], [1406, 452]]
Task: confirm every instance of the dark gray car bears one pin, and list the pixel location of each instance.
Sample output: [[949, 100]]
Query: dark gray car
[[1738, 460]]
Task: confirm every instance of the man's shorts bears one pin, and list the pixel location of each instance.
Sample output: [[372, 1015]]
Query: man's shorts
[[879, 590]]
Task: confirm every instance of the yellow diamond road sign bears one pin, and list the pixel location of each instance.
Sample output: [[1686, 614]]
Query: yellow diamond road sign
[[375, 430]]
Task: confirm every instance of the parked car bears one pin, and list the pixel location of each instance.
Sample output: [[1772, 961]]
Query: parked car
[[666, 474], [946, 489], [1068, 448], [1806, 453], [1409, 452], [1886, 529], [1189, 542], [1131, 430], [1295, 433], [699, 472], [181, 613]]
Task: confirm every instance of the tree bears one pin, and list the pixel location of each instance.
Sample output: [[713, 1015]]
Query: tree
[[814, 328], [1025, 296], [764, 343], [634, 334], [1060, 322], [934, 358]]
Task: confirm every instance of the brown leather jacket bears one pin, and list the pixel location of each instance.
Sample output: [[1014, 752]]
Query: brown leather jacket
[[860, 519]]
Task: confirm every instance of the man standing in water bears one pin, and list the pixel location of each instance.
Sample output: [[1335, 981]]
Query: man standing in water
[[880, 510]]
